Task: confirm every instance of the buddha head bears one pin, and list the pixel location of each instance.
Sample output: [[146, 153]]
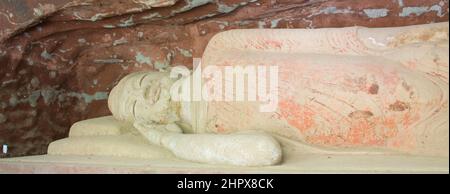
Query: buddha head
[[144, 97]]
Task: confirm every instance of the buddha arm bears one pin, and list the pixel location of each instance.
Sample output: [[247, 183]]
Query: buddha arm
[[257, 149]]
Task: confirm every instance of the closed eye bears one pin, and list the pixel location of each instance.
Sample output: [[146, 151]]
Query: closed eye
[[134, 109]]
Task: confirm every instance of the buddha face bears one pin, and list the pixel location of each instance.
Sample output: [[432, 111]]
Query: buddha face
[[144, 97]]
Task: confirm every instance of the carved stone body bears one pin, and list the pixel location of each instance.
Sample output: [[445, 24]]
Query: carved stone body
[[340, 90], [352, 87]]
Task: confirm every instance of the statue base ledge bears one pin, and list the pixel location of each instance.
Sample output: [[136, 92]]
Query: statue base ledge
[[308, 163]]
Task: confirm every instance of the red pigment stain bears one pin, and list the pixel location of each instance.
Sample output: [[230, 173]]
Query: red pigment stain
[[411, 64], [399, 106], [405, 139], [220, 129], [391, 79], [322, 139], [362, 132], [408, 119], [266, 44], [273, 43], [376, 131], [363, 129], [296, 115], [391, 127], [373, 89], [356, 83]]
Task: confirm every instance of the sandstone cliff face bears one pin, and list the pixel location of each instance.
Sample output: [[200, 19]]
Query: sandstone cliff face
[[61, 58]]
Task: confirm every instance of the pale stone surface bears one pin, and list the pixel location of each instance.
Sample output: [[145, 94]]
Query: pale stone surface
[[348, 87], [126, 145], [144, 100], [294, 163], [90, 57], [353, 92], [98, 126], [105, 136]]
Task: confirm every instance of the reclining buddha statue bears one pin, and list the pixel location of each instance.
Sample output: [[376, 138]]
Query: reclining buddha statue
[[259, 92]]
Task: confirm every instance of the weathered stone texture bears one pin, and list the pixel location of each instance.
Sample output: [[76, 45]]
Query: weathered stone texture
[[61, 58]]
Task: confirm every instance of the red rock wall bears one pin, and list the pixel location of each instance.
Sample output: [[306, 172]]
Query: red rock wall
[[59, 59]]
